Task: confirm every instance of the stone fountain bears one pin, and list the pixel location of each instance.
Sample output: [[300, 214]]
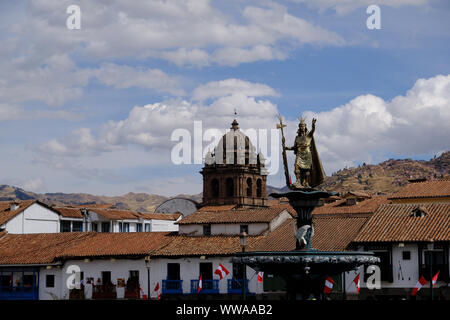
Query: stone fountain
[[305, 269]]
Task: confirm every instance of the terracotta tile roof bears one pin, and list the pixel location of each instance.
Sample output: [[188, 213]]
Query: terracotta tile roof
[[336, 232], [205, 245], [396, 223], [69, 212], [37, 248], [331, 233], [364, 207], [234, 216], [117, 244], [217, 208], [5, 209], [161, 216], [426, 189], [46, 248], [114, 214]]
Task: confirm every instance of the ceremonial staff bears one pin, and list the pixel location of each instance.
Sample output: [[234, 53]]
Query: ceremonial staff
[[283, 141]]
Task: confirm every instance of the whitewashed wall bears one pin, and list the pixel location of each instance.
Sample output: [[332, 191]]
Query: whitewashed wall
[[34, 219], [51, 293], [409, 269]]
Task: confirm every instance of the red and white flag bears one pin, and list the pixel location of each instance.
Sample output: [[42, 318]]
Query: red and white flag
[[221, 271], [200, 285], [144, 296], [419, 285], [433, 281], [357, 282], [157, 290], [260, 276], [328, 285]]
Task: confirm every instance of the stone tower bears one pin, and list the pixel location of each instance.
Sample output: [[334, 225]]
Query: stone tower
[[234, 173]]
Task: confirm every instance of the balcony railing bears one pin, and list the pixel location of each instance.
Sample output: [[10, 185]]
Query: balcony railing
[[19, 293], [234, 286], [172, 287], [208, 286]]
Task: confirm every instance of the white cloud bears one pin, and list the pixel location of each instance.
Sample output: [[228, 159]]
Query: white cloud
[[345, 6], [232, 86], [150, 126], [190, 32], [368, 126], [124, 77], [16, 112], [57, 80]]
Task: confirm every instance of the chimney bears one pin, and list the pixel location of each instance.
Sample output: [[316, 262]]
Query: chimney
[[14, 206]]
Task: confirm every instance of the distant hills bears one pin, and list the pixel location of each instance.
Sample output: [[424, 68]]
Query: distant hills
[[386, 177]]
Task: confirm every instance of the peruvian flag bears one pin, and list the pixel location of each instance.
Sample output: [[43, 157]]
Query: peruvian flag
[[260, 276], [144, 296], [200, 285], [433, 281], [328, 285], [419, 285], [357, 282], [221, 271], [157, 290]]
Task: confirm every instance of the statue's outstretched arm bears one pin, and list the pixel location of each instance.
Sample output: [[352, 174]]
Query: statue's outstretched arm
[[313, 127]]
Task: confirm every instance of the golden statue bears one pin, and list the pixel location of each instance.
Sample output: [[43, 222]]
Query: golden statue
[[307, 168]]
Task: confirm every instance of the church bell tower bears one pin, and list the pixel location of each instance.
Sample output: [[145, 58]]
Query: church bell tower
[[234, 173]]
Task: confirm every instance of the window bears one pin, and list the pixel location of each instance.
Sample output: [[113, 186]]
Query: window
[[138, 227], [238, 270], [230, 187], [206, 270], [134, 275], [65, 226], [243, 227], [249, 187], [105, 226], [207, 230], [259, 188], [215, 188], [147, 227], [106, 277], [94, 226], [173, 271], [120, 227], [126, 227], [77, 226], [406, 255]]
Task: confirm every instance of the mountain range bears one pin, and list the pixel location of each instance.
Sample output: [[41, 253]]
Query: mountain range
[[385, 177]]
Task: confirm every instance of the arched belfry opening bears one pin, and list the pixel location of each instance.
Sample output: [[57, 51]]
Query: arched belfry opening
[[234, 173]]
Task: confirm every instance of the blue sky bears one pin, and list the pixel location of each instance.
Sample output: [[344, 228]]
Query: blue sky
[[92, 110]]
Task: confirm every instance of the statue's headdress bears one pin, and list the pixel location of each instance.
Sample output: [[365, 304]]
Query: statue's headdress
[[302, 121]]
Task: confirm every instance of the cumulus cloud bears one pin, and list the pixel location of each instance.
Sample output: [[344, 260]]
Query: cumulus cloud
[[215, 89], [150, 126], [369, 127], [58, 80], [345, 6], [17, 112], [184, 32]]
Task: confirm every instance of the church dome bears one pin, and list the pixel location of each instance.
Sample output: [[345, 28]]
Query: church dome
[[234, 148]]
